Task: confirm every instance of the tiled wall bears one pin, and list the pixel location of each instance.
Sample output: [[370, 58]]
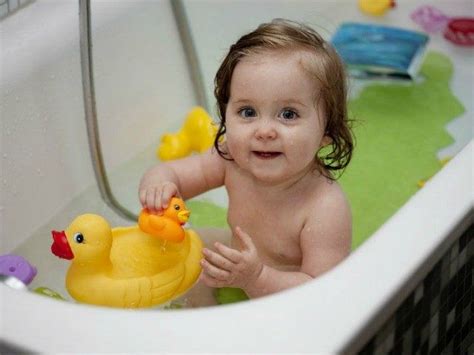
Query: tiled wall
[[436, 318], [7, 7]]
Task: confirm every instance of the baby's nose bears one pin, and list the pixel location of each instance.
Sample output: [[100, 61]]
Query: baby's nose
[[266, 130]]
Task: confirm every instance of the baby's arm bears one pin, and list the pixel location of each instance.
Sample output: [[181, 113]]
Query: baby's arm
[[325, 241], [185, 177]]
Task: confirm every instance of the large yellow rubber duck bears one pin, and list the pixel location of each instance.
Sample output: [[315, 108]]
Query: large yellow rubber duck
[[376, 7], [196, 135], [125, 267]]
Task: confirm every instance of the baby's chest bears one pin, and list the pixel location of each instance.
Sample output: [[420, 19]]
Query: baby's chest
[[274, 231]]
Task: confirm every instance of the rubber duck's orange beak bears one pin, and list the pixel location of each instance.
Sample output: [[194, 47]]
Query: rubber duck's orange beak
[[183, 216], [60, 246], [393, 4]]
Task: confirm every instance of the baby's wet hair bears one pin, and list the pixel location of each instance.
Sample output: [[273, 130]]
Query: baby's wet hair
[[323, 63]]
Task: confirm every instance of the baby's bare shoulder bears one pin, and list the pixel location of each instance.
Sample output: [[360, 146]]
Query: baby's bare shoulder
[[329, 212], [327, 235], [328, 195]]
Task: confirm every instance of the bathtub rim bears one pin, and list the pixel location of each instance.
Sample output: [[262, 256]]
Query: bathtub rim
[[320, 329]]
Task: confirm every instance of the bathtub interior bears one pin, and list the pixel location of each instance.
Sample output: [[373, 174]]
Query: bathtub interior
[[143, 90]]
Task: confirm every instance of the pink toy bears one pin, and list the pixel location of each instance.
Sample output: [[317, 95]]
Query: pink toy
[[430, 18], [457, 30]]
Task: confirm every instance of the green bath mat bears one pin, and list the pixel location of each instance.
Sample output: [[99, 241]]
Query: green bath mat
[[399, 129], [206, 214]]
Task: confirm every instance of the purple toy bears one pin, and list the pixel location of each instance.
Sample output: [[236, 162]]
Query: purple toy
[[17, 266]]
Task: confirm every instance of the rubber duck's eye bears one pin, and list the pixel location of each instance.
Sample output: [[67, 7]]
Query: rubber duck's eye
[[79, 238], [177, 208]]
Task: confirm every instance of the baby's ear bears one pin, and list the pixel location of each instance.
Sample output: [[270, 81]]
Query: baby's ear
[[326, 141]]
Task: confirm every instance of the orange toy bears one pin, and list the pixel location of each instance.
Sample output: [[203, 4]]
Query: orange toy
[[169, 224]]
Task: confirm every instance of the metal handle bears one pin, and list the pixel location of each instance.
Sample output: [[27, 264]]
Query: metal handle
[[85, 39], [190, 52], [93, 136]]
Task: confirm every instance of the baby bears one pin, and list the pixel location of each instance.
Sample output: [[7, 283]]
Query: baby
[[281, 95]]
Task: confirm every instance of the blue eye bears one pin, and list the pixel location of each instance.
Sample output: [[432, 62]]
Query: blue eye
[[247, 112], [288, 114]]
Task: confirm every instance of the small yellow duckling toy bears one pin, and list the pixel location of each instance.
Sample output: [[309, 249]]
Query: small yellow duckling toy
[[376, 7], [196, 135], [124, 266]]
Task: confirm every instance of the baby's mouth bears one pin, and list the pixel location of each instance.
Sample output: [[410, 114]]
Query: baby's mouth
[[266, 155]]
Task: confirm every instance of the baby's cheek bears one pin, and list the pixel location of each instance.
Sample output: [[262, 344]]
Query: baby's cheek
[[305, 150], [236, 146]]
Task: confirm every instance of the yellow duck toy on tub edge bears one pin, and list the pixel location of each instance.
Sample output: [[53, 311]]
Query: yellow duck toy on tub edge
[[127, 267], [196, 135]]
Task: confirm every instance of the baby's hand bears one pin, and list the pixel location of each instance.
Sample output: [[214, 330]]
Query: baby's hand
[[156, 198], [230, 267]]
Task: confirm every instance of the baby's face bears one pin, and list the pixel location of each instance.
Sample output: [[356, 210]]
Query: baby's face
[[274, 127]]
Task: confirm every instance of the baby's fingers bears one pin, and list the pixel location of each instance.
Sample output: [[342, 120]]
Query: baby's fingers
[[156, 199], [218, 260], [147, 199], [244, 238], [214, 271], [233, 255], [169, 190], [211, 282]]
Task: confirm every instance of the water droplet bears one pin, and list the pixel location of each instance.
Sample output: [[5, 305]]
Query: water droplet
[[4, 181], [5, 155], [52, 76]]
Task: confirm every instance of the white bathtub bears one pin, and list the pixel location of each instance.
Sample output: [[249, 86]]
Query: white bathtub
[[143, 89]]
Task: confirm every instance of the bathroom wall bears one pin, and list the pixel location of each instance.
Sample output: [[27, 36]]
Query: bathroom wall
[[140, 77]]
